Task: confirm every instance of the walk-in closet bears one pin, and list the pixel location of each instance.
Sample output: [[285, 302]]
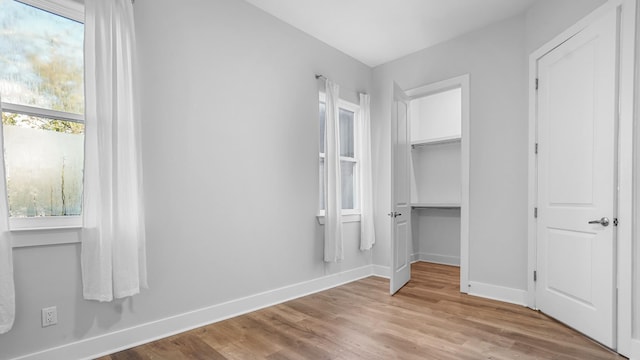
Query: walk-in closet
[[436, 163]]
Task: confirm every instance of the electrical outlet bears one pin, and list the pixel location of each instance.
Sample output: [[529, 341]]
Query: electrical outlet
[[49, 316]]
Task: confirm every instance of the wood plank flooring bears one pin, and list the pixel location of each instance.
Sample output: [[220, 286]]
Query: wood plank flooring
[[427, 319]]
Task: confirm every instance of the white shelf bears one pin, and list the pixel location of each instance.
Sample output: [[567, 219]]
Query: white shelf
[[435, 205], [442, 140]]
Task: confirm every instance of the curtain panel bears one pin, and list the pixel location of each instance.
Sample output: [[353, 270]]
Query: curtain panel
[[367, 229], [7, 288], [113, 238], [333, 247]]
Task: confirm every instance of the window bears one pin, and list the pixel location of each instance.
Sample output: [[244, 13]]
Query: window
[[349, 153], [42, 92]]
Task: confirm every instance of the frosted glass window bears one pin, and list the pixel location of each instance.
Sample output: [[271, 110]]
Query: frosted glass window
[[42, 92], [44, 162], [348, 154]]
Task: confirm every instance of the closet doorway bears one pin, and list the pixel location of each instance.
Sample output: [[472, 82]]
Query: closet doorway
[[439, 173]]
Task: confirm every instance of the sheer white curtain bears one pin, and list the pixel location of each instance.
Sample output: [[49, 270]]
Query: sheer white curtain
[[7, 289], [367, 231], [333, 250], [113, 238]]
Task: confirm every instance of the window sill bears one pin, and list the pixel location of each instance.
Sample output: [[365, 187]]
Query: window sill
[[347, 218], [41, 231], [45, 223]]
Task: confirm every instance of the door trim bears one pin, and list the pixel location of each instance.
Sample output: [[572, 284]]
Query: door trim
[[462, 82], [626, 203]]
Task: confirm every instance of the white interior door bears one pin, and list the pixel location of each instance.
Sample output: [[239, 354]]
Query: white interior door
[[576, 181], [401, 198]]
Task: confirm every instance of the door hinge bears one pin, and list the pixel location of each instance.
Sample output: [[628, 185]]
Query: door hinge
[[535, 275], [536, 83], [615, 221], [536, 149], [535, 212]]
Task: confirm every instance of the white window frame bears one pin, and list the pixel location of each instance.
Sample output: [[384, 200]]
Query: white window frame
[[348, 215], [73, 11]]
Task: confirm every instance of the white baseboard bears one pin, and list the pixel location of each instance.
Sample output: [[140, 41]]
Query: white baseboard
[[381, 271], [501, 293], [635, 350], [123, 339], [120, 340], [436, 258]]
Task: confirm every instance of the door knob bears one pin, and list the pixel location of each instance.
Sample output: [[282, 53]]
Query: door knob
[[603, 221]]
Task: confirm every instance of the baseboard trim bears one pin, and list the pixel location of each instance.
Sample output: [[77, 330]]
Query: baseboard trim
[[500, 293], [635, 350], [437, 259], [381, 271], [124, 339]]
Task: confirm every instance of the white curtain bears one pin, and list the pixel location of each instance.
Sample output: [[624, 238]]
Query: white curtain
[[7, 289], [113, 238], [333, 250], [367, 231]]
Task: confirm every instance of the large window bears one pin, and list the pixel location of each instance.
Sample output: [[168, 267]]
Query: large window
[[349, 163], [42, 92]]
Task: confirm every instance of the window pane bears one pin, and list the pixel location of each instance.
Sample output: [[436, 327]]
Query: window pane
[[347, 140], [346, 133], [323, 116], [44, 162], [41, 62], [348, 184], [349, 199], [321, 200]]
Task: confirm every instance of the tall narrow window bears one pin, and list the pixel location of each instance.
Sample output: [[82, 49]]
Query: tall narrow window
[[348, 117], [42, 92]]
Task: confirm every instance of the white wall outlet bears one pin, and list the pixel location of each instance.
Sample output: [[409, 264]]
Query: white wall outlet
[[49, 316]]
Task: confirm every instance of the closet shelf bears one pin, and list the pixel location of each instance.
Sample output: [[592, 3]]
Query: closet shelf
[[442, 140], [435, 205]]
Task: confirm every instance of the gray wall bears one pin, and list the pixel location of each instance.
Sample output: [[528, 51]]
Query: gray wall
[[230, 155], [230, 140], [496, 58], [548, 18], [436, 235]]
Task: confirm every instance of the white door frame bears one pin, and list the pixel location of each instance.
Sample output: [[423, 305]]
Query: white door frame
[[626, 9], [463, 83]]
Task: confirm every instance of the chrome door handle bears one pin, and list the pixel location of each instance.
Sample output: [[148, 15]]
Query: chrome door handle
[[603, 221]]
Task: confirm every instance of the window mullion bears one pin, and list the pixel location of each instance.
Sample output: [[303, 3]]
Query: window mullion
[[40, 112], [349, 159]]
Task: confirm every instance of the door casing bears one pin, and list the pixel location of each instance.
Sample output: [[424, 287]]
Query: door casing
[[461, 82]]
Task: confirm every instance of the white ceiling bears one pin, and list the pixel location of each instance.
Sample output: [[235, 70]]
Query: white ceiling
[[378, 31]]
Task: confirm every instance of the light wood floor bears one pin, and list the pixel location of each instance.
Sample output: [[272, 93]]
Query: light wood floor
[[427, 319]]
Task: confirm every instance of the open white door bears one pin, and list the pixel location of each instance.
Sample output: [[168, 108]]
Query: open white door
[[401, 198], [576, 181]]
